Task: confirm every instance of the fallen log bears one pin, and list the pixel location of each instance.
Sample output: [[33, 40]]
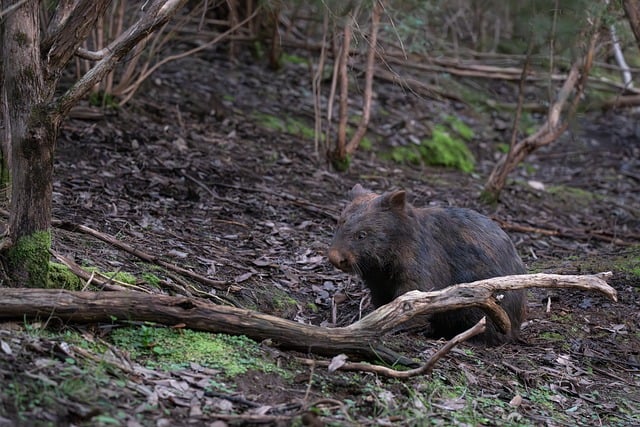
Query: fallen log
[[361, 339]]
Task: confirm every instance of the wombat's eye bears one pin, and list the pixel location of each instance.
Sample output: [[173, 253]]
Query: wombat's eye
[[361, 235]]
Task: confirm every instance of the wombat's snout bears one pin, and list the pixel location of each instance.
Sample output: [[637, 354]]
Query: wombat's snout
[[339, 259]]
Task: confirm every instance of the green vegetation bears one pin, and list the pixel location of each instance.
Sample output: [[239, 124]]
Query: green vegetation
[[29, 394], [503, 147], [552, 336], [573, 196], [32, 254], [151, 279], [102, 99], [366, 144], [459, 127], [630, 262], [446, 147], [62, 377], [284, 302], [294, 59], [121, 276], [60, 276], [167, 349], [288, 124]]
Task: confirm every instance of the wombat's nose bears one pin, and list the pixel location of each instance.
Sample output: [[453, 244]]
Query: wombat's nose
[[337, 258]]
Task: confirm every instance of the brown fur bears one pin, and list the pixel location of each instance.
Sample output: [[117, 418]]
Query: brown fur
[[397, 248]]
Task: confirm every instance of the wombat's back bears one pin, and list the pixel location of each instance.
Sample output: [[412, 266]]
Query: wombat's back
[[476, 248]]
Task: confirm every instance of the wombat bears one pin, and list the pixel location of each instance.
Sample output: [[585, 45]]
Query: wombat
[[397, 248]]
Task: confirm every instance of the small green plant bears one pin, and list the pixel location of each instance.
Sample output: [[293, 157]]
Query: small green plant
[[341, 165], [503, 147], [294, 59], [288, 124], [151, 279], [122, 276], [366, 144], [102, 99], [459, 127]]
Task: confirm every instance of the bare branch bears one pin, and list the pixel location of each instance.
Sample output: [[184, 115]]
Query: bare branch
[[368, 85], [129, 91], [70, 27], [91, 55], [343, 110], [159, 12], [554, 126], [11, 8], [425, 369], [479, 293], [361, 338]]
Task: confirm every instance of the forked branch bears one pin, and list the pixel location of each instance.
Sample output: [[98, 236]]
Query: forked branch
[[362, 338]]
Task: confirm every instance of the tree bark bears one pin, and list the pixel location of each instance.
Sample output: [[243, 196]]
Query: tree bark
[[632, 10], [340, 153], [29, 139], [368, 85]]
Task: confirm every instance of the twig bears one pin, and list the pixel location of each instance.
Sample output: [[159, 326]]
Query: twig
[[572, 234], [310, 206], [218, 284], [11, 8], [425, 369], [523, 77], [129, 91], [100, 279]]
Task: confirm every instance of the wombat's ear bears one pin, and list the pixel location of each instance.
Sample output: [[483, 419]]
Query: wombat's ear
[[396, 200], [358, 191]]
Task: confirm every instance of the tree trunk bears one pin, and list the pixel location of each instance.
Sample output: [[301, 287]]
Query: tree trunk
[[32, 116], [632, 10], [29, 144]]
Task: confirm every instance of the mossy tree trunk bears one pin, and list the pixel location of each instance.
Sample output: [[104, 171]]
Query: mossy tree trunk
[[29, 139], [33, 61]]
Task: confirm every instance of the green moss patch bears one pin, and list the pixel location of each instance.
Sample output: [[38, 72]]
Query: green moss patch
[[167, 349], [444, 148], [31, 255], [289, 125], [61, 277]]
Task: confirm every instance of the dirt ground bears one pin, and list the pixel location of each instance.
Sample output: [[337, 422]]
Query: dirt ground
[[190, 171]]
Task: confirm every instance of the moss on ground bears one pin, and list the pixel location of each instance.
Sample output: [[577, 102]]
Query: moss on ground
[[166, 349], [446, 147]]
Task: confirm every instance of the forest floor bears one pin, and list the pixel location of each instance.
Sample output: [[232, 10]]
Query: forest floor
[[211, 167]]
